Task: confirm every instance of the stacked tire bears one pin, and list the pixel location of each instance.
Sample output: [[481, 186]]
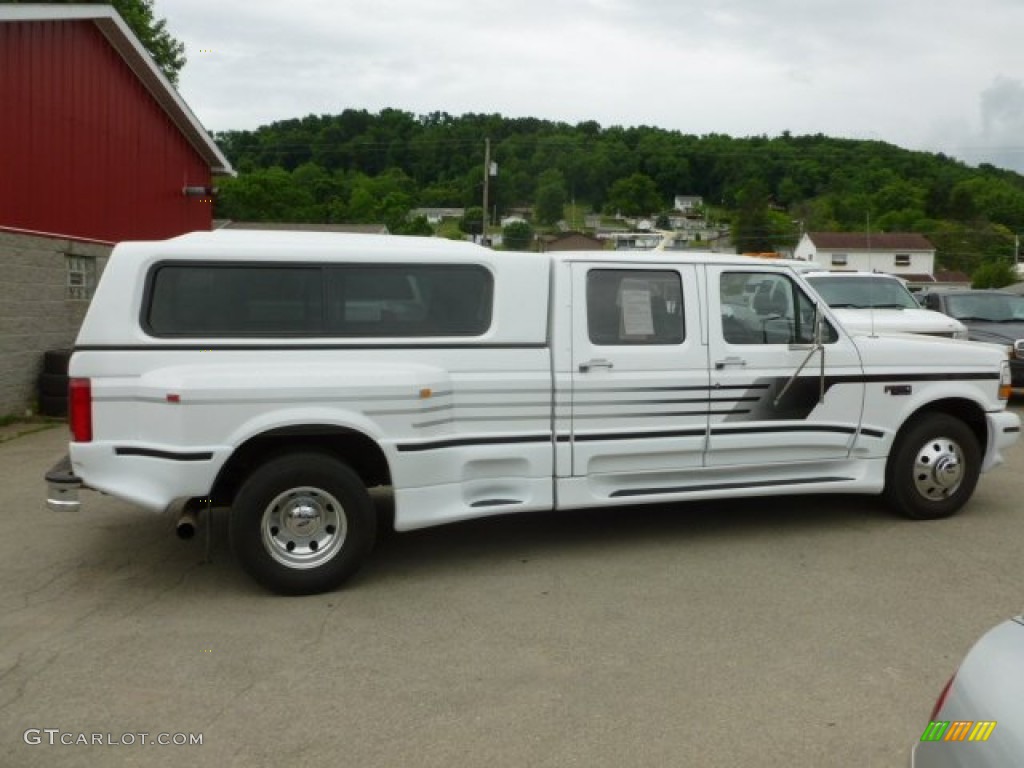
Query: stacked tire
[[53, 383]]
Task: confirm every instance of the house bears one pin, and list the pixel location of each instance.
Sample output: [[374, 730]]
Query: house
[[571, 241], [636, 241], [906, 254], [97, 147], [435, 216], [688, 203]]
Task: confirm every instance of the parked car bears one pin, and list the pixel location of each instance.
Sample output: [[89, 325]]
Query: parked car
[[993, 316], [874, 302], [978, 719]]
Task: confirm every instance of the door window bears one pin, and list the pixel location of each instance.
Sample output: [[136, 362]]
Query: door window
[[766, 308], [626, 306]]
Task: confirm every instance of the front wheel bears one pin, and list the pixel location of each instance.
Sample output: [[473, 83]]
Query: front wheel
[[933, 467], [302, 523]]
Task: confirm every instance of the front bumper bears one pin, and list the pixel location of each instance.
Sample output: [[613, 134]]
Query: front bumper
[[62, 486], [1017, 373], [1003, 431]]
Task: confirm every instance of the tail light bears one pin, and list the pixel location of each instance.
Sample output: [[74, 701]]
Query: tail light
[[80, 410], [942, 697]]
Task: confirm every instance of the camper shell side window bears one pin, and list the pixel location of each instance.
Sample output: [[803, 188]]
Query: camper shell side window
[[260, 299]]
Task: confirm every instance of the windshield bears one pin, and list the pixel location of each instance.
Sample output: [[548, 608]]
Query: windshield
[[992, 307], [863, 292]]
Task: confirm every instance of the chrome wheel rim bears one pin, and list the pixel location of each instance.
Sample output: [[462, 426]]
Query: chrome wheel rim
[[938, 468], [304, 527]]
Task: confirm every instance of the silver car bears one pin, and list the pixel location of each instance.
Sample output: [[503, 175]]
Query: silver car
[[978, 720]]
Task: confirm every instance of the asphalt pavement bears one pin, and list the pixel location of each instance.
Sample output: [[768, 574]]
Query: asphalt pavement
[[767, 632]]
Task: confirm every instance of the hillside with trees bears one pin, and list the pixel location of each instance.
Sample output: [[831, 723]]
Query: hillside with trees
[[360, 167]]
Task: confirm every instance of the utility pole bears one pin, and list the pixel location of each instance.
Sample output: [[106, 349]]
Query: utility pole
[[487, 179], [871, 256]]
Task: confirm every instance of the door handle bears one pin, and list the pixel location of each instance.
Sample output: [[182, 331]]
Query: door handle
[[587, 366], [720, 364]]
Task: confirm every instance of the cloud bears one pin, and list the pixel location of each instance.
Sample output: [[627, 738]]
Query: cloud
[[1002, 122], [909, 73], [992, 132]]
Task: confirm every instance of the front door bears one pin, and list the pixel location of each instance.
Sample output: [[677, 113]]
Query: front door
[[763, 416]]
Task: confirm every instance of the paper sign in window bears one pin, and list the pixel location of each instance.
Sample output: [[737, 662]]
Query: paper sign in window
[[637, 319]]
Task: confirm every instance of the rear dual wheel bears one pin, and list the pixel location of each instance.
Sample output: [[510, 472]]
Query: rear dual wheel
[[302, 523]]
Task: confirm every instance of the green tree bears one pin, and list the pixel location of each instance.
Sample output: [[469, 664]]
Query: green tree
[[418, 225], [549, 202], [517, 236], [994, 274], [472, 221], [635, 195], [167, 52], [267, 194], [970, 214], [752, 227]]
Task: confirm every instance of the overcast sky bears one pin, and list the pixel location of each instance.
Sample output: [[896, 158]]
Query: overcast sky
[[939, 75]]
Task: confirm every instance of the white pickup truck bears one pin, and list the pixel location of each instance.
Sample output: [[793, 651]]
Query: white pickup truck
[[284, 374]]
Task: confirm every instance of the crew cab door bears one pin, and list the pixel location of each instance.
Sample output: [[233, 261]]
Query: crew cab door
[[761, 330], [639, 375]]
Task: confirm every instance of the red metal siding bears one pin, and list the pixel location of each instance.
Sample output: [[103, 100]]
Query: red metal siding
[[85, 151]]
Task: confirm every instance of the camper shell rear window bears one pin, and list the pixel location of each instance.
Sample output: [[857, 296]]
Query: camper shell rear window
[[231, 300]]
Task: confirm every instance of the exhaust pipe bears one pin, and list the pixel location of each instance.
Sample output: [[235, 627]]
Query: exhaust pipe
[[186, 527]]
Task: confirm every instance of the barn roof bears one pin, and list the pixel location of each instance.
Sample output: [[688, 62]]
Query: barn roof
[[124, 41]]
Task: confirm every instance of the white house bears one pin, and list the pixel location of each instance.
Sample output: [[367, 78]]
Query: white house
[[435, 216], [688, 203], [906, 254]]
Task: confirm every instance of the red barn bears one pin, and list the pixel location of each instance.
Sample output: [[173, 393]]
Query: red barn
[[96, 146], [95, 141]]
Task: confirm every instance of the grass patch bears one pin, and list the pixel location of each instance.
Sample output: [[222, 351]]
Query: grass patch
[[12, 426]]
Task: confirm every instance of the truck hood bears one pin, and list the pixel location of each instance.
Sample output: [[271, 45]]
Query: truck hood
[[923, 321], [901, 349]]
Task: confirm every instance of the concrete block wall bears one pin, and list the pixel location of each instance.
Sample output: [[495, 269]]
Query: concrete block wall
[[35, 313]]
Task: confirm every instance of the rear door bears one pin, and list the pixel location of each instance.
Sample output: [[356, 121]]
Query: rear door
[[639, 392]]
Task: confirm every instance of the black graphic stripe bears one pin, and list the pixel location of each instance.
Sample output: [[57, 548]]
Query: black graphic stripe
[[591, 437], [462, 442], [595, 436], [153, 453], [785, 428], [726, 486]]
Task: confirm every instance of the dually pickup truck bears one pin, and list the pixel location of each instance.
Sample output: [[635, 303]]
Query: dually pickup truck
[[285, 374]]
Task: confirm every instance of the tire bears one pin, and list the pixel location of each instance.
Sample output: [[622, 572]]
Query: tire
[[302, 523], [53, 384], [933, 468], [56, 361], [51, 405]]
